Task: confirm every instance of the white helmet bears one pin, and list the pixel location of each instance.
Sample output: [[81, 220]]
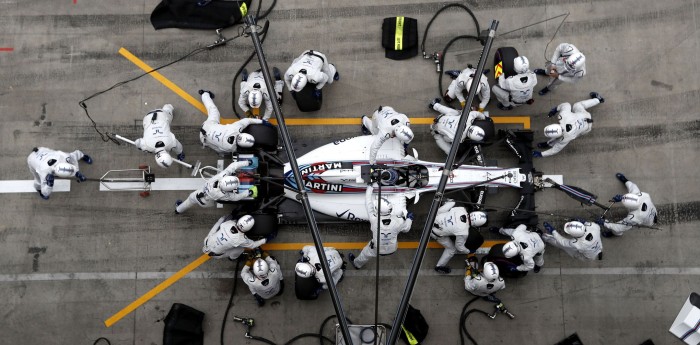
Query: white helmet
[[477, 218], [229, 183], [575, 229], [575, 62], [386, 206], [245, 223], [468, 85], [490, 271], [403, 133], [553, 131], [255, 98], [511, 249], [163, 158], [304, 270], [64, 169], [475, 133], [261, 268], [299, 81], [521, 64], [631, 201], [245, 140]]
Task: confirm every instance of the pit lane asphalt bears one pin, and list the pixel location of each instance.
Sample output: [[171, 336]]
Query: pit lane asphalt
[[639, 56]]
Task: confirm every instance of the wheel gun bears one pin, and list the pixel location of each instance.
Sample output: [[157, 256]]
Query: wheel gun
[[247, 322]]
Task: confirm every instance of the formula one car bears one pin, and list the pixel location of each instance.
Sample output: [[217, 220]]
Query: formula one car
[[336, 175], [336, 185]]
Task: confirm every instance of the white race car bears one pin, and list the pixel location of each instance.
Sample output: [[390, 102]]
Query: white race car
[[336, 176]]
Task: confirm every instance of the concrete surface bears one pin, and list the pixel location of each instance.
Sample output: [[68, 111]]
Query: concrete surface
[[640, 55]]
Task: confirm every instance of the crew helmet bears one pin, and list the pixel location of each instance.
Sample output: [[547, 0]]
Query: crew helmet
[[575, 229], [468, 85], [229, 183], [490, 271], [477, 218], [631, 201], [475, 133], [64, 169], [163, 158], [255, 98], [403, 133], [304, 270], [386, 206], [521, 64], [553, 131], [575, 62], [299, 81], [261, 268], [511, 249], [245, 140], [245, 223]]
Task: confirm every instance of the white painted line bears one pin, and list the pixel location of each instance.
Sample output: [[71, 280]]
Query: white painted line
[[220, 166], [27, 186], [160, 184], [366, 272]]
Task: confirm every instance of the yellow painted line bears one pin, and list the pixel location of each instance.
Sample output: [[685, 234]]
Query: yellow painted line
[[524, 120], [156, 290], [272, 246], [359, 245], [159, 77]]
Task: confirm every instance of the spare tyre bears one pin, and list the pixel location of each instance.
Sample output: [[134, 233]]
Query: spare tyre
[[503, 62]]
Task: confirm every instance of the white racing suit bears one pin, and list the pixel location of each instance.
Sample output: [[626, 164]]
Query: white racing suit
[[575, 121], [586, 247], [156, 127], [557, 63], [38, 162], [265, 288], [224, 240], [531, 246], [459, 86], [335, 263], [382, 125], [318, 70], [247, 87], [210, 193], [481, 287], [215, 135], [388, 233], [515, 90], [445, 129], [448, 222], [644, 215]]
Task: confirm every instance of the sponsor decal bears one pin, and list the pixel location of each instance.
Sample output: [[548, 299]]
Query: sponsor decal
[[326, 187], [337, 142], [349, 216], [321, 167]]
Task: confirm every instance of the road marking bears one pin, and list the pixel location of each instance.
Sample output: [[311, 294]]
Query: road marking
[[6, 49], [180, 183], [27, 186], [202, 259], [359, 245], [159, 77], [323, 121], [141, 276], [156, 290], [522, 120]]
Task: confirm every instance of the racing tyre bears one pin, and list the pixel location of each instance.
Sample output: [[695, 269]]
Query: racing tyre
[[265, 224], [505, 55], [266, 137], [305, 99], [504, 264]]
